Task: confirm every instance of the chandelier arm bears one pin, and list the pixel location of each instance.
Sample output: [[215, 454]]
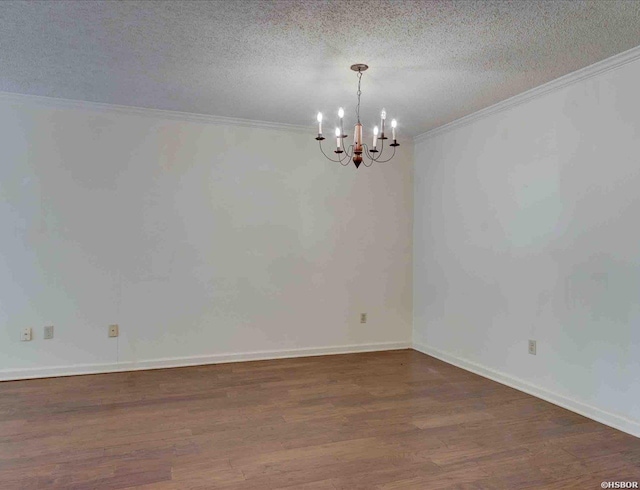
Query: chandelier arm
[[345, 158], [366, 151], [390, 158], [364, 162], [327, 157], [380, 152], [373, 157], [346, 151]]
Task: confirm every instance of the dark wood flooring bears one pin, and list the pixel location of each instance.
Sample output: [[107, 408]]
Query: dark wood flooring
[[388, 420]]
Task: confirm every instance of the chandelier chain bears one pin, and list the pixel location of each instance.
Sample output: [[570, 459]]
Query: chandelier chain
[[359, 94]]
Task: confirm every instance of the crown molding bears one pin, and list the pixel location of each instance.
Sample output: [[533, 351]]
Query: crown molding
[[611, 63], [57, 103]]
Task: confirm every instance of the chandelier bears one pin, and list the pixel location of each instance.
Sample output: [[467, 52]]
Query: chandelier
[[358, 149]]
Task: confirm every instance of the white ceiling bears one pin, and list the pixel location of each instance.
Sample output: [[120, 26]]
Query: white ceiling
[[430, 61]]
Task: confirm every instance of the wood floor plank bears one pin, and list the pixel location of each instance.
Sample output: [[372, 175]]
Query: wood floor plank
[[386, 420]]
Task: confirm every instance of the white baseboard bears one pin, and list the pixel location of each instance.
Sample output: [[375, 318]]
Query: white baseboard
[[78, 369], [612, 420]]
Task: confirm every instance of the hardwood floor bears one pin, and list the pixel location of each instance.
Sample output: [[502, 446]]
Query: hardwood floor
[[388, 420]]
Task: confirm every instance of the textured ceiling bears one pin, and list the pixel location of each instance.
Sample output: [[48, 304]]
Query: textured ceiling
[[430, 61]]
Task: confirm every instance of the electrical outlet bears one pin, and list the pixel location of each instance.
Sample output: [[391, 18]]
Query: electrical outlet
[[532, 347], [113, 330], [25, 336], [363, 318], [48, 332]]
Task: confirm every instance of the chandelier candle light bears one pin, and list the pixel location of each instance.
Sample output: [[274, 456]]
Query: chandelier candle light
[[359, 148]]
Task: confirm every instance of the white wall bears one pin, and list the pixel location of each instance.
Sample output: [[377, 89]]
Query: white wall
[[527, 227], [203, 242]]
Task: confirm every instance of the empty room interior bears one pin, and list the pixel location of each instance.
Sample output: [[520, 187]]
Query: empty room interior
[[319, 244]]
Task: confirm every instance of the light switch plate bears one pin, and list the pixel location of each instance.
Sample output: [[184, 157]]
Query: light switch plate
[[113, 330], [48, 332], [26, 334]]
